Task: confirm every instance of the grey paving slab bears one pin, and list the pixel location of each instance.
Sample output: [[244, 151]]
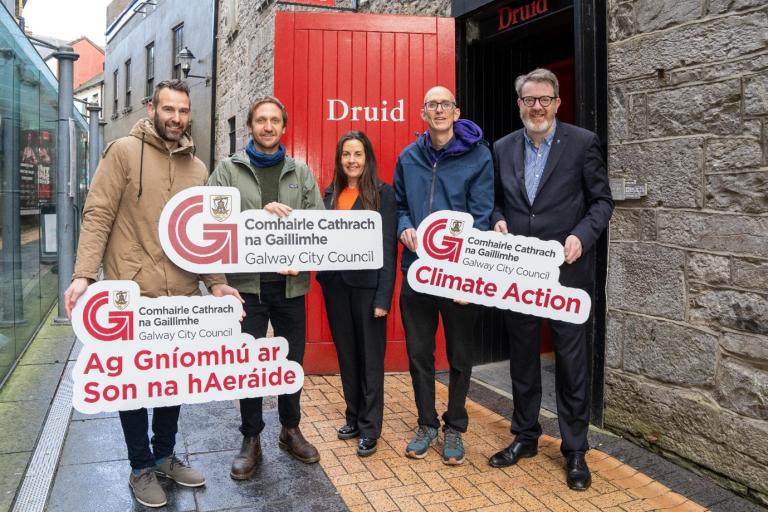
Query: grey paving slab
[[78, 416], [20, 424], [210, 427], [736, 504], [103, 487], [12, 466], [48, 350], [49, 330], [34, 382], [497, 375], [95, 440], [279, 479]]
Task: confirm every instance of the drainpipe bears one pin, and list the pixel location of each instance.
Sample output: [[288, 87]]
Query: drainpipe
[[94, 142]]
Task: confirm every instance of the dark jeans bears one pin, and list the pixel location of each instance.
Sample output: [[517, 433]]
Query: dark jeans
[[164, 427], [571, 379], [420, 318], [360, 341], [287, 316]]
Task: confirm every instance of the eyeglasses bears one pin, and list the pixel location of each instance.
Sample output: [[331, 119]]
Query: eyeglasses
[[544, 101], [445, 105]]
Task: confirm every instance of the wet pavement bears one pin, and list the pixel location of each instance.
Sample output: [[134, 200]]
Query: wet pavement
[[91, 472]]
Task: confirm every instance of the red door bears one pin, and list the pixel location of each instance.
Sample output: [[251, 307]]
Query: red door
[[327, 66]]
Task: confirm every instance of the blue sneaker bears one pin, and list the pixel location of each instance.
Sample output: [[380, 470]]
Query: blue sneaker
[[453, 447], [424, 438]]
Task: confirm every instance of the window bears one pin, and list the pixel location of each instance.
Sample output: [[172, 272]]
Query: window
[[150, 71], [232, 140], [178, 44], [128, 84], [114, 93]]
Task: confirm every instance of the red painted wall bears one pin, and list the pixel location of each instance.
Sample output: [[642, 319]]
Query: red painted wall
[[90, 63]]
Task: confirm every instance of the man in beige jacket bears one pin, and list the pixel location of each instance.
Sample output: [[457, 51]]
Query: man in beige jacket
[[137, 176]]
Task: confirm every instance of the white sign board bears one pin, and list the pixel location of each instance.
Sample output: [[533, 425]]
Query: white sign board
[[202, 230], [511, 272], [144, 352]]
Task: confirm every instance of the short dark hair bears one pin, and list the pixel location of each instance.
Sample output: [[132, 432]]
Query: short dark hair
[[541, 75], [267, 99], [174, 85]]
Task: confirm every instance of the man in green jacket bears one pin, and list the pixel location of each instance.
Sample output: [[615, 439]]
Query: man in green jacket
[[268, 178]]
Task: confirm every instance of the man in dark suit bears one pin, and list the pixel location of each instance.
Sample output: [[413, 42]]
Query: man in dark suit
[[551, 183]]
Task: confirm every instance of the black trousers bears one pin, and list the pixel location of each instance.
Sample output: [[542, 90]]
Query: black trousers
[[287, 316], [361, 341], [420, 319], [571, 379], [164, 427]]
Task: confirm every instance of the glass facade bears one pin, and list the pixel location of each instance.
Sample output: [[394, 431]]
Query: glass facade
[[28, 146]]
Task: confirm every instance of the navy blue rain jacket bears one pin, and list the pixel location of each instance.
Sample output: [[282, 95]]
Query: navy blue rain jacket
[[458, 178]]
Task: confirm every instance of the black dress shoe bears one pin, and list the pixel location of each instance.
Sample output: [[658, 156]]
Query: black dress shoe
[[347, 432], [366, 446], [579, 478], [512, 453]]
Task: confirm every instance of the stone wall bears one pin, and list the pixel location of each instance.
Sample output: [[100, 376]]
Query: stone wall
[[687, 343], [246, 53]]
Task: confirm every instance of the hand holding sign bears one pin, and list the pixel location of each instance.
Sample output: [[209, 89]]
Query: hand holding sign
[[144, 352], [490, 268]]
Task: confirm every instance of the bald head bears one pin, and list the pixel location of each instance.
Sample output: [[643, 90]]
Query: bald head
[[440, 112], [441, 92]]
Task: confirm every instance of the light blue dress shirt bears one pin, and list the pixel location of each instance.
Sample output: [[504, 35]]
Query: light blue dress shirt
[[535, 161]]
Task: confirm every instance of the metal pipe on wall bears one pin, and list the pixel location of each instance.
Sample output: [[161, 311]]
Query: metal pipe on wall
[[94, 142]]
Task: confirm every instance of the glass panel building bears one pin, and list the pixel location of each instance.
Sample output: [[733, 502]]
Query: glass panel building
[[28, 185]]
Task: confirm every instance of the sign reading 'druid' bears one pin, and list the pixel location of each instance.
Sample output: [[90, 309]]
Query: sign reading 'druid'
[[202, 230], [144, 352], [511, 272]]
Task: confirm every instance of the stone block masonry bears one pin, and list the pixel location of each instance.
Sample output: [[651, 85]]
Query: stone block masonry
[[687, 343]]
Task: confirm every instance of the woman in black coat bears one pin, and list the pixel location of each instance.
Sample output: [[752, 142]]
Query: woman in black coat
[[357, 301]]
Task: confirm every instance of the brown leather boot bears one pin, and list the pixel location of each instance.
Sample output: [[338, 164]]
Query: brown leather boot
[[246, 461], [294, 443]]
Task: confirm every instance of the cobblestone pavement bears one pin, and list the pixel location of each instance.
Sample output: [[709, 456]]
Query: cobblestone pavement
[[388, 480]]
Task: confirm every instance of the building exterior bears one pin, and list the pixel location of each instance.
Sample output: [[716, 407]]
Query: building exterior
[[91, 60], [91, 91], [678, 91], [143, 42], [28, 118]]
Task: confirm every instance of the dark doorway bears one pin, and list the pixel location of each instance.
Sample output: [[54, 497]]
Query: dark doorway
[[498, 40], [488, 66]]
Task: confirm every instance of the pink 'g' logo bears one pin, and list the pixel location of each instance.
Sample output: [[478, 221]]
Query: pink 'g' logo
[[449, 250], [121, 322], [223, 237]]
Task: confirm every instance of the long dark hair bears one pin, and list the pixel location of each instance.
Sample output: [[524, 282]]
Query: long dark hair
[[368, 184]]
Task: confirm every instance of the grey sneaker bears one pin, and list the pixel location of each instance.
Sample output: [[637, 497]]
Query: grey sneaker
[[453, 447], [146, 488], [424, 438], [180, 472]]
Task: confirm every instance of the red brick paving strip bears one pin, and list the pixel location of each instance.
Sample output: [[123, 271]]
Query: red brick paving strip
[[388, 480]]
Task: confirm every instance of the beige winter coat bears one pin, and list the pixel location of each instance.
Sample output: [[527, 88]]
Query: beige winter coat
[[135, 179]]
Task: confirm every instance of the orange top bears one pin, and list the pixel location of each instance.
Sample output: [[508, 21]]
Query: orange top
[[347, 198]]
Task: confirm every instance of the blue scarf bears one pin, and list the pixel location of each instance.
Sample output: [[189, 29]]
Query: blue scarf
[[263, 160]]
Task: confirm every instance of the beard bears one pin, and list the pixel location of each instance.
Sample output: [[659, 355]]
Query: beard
[[537, 125], [163, 133]]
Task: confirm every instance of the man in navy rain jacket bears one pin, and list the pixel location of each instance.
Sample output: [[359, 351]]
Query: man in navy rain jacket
[[449, 167]]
